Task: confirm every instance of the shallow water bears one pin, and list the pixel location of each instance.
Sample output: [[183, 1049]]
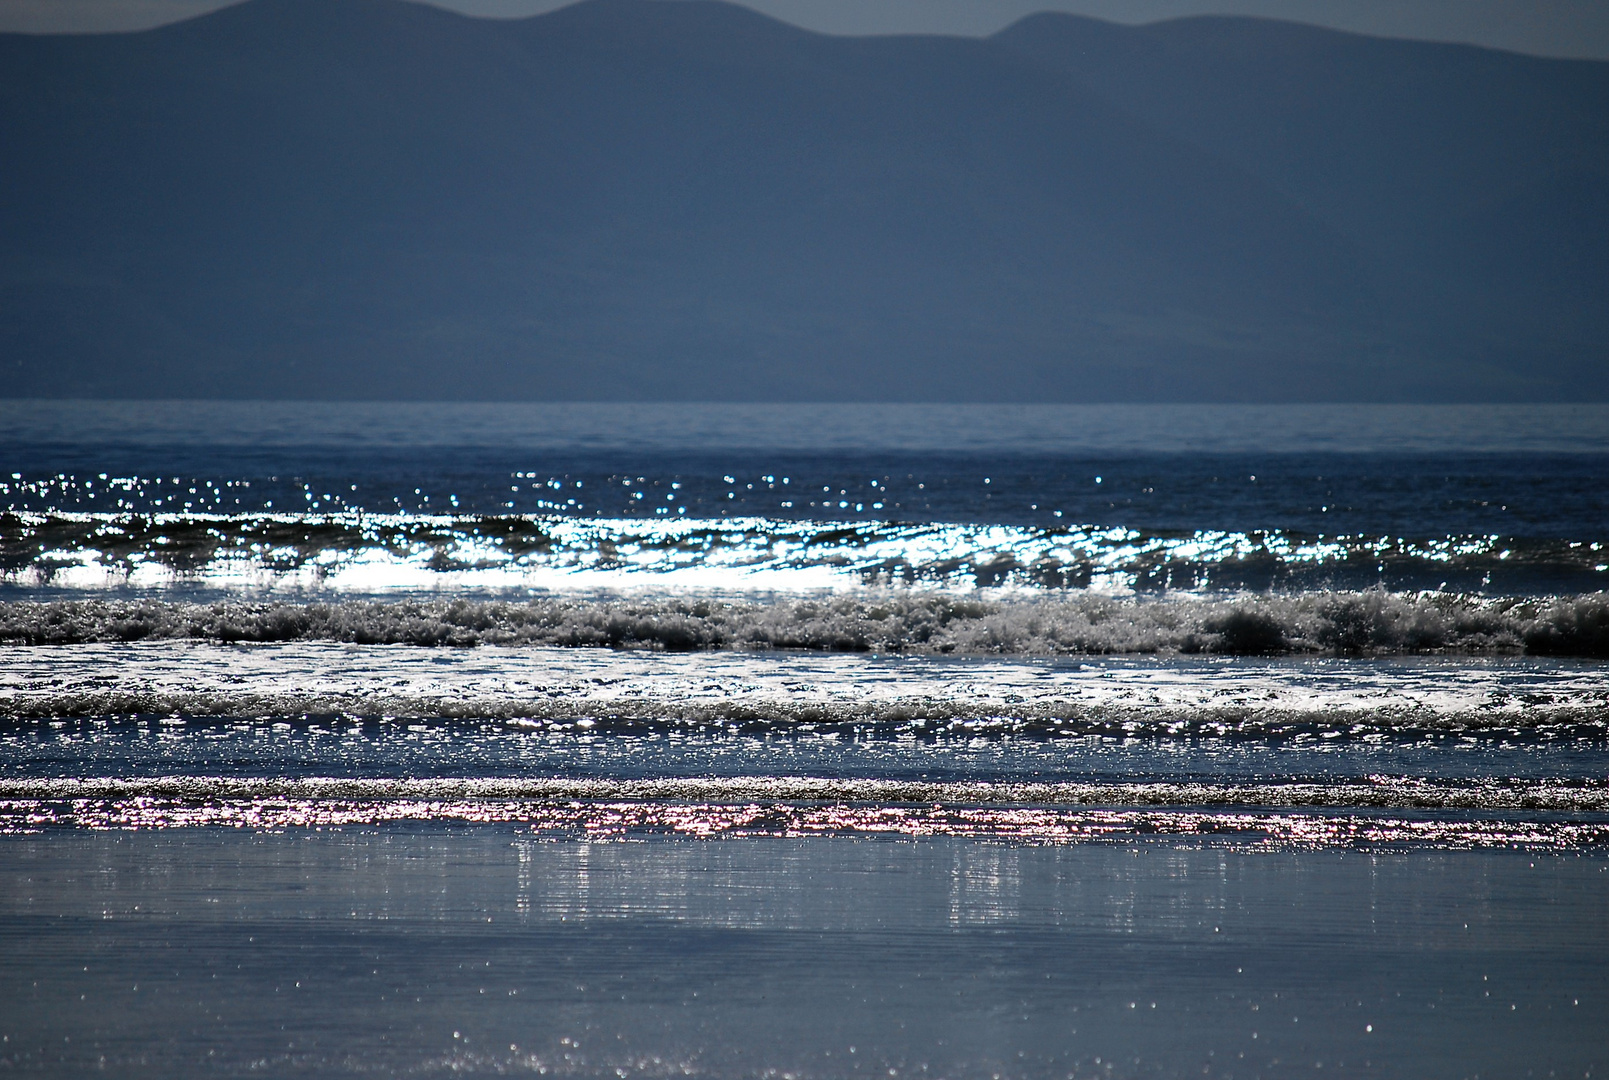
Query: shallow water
[[427, 950]]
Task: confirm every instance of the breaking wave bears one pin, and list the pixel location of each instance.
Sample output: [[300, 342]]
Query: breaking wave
[[1565, 715], [1372, 622], [357, 553]]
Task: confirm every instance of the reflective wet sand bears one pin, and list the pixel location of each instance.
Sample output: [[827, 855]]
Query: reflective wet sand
[[434, 950]]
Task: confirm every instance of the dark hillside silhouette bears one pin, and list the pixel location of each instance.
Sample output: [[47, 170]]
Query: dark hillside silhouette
[[632, 199]]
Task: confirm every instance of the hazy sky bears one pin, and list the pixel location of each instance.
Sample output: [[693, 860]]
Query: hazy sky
[[1577, 28]]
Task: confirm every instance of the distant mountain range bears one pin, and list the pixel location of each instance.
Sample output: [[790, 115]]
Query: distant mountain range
[[634, 199]]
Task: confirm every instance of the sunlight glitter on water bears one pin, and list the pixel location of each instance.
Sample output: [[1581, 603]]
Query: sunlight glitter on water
[[622, 821], [356, 553]]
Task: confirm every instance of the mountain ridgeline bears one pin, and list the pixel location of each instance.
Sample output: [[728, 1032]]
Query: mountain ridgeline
[[632, 199]]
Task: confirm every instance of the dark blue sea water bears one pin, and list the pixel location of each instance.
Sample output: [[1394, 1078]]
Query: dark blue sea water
[[803, 741]]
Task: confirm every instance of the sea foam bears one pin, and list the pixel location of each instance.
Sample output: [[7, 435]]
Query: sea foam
[[1372, 622]]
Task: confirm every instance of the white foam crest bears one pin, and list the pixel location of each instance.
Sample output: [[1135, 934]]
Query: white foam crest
[[538, 686]]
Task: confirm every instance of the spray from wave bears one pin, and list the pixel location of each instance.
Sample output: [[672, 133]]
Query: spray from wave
[[1372, 622]]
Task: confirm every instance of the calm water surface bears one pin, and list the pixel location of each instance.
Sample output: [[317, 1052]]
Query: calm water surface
[[439, 951]]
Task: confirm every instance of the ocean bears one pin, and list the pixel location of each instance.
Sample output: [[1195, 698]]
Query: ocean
[[803, 741]]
